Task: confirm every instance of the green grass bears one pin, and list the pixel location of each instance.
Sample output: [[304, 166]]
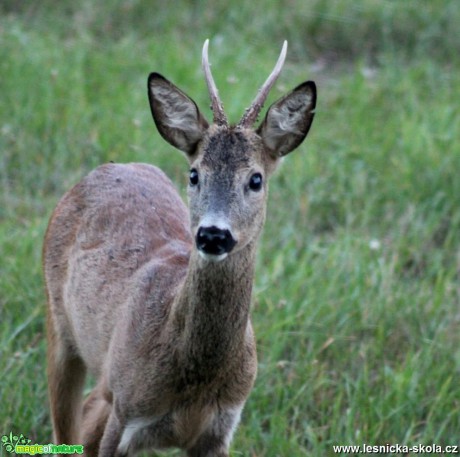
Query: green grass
[[357, 295]]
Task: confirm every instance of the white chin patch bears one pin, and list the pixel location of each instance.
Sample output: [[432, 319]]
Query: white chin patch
[[212, 257]]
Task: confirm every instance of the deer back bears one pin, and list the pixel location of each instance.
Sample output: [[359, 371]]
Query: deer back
[[103, 237]]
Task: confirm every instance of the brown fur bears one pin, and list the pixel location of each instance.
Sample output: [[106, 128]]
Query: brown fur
[[165, 331]]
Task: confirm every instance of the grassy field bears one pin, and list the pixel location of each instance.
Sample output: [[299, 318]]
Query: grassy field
[[357, 295]]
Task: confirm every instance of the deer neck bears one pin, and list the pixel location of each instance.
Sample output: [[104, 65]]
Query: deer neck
[[212, 311]]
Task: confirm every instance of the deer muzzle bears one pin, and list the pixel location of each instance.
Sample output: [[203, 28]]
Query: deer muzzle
[[214, 242]]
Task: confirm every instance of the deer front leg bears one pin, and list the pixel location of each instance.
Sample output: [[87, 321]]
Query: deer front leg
[[215, 442], [111, 438], [210, 449], [96, 412]]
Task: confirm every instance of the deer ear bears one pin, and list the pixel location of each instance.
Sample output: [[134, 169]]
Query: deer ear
[[176, 116], [288, 120]]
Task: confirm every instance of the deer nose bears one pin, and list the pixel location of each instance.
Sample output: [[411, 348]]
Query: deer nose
[[214, 240]]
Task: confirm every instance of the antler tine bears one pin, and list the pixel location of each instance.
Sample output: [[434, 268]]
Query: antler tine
[[250, 115], [216, 105]]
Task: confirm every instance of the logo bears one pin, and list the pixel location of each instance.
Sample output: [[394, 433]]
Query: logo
[[19, 444], [9, 442]]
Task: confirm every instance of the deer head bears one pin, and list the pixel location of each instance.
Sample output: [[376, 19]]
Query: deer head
[[230, 164]]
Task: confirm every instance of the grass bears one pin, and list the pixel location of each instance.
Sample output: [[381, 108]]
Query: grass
[[356, 303]]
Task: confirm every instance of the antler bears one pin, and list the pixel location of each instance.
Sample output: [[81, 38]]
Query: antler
[[216, 105], [250, 115]]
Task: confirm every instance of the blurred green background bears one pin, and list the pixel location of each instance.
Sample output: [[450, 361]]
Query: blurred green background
[[357, 294]]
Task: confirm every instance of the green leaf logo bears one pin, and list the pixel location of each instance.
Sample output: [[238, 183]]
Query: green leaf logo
[[10, 441]]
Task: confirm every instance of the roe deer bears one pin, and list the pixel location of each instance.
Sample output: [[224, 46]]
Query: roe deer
[[154, 301]]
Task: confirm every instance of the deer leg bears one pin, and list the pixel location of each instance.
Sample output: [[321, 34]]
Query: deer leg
[[215, 441], [66, 375], [208, 451], [111, 438], [96, 412], [209, 446]]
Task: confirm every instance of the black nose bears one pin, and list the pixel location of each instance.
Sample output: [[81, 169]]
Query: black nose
[[215, 241]]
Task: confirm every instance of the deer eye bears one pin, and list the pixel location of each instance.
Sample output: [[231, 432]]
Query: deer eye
[[193, 177], [255, 183]]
